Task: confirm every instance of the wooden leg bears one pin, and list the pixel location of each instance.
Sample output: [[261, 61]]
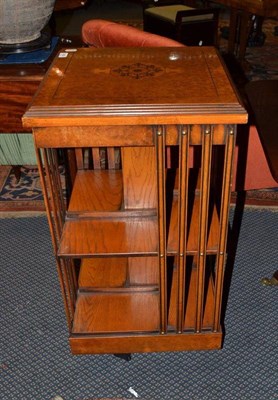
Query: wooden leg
[[246, 24], [232, 30], [273, 281]]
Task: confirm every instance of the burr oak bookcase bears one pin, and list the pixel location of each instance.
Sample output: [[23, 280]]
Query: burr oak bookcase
[[147, 136]]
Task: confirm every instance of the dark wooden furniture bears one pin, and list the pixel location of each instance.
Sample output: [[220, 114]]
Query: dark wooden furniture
[[140, 243], [263, 98], [18, 85], [242, 18], [62, 5], [180, 21], [19, 82]]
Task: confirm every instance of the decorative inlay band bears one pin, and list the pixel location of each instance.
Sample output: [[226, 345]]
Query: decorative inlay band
[[138, 70]]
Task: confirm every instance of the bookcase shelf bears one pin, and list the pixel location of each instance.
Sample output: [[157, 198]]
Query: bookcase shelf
[[100, 237], [116, 312], [140, 242]]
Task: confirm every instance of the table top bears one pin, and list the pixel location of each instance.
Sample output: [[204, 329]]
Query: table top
[[136, 86]]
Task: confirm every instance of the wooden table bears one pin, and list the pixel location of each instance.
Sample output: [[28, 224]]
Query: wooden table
[[19, 82], [140, 243], [241, 22], [18, 85]]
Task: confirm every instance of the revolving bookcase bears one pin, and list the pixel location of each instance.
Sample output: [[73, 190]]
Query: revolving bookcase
[[139, 229]]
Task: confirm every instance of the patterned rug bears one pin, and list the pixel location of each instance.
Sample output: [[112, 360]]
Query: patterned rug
[[24, 194]]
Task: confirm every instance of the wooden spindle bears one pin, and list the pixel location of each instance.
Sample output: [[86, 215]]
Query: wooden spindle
[[224, 215], [160, 151], [203, 222], [182, 221], [79, 158]]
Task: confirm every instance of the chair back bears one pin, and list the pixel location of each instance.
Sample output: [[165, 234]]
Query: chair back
[[102, 33]]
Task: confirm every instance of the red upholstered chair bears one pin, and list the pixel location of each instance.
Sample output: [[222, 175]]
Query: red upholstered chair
[[251, 169], [101, 33]]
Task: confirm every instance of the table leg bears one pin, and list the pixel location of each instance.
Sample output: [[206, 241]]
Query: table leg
[[246, 23], [232, 30]]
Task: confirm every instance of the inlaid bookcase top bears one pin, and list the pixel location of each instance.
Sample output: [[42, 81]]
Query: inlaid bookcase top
[[139, 219]]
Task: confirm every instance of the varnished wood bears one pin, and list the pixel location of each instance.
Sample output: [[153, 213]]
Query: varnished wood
[[14, 97], [203, 221], [140, 242], [103, 236], [96, 191], [192, 234], [134, 312], [18, 85], [190, 309], [101, 273], [223, 225], [198, 68], [144, 343], [183, 173], [139, 178]]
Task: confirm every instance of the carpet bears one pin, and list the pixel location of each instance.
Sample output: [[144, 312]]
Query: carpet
[[24, 194], [36, 363]]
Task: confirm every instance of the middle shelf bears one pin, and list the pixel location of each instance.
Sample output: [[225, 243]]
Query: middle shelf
[[97, 224]]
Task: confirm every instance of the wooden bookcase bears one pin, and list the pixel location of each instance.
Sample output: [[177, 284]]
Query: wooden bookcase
[[139, 228]]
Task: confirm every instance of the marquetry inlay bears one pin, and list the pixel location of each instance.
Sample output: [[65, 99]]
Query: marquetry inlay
[[138, 70]]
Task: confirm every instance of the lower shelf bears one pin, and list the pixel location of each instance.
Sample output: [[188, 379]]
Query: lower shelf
[[118, 312], [115, 305]]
